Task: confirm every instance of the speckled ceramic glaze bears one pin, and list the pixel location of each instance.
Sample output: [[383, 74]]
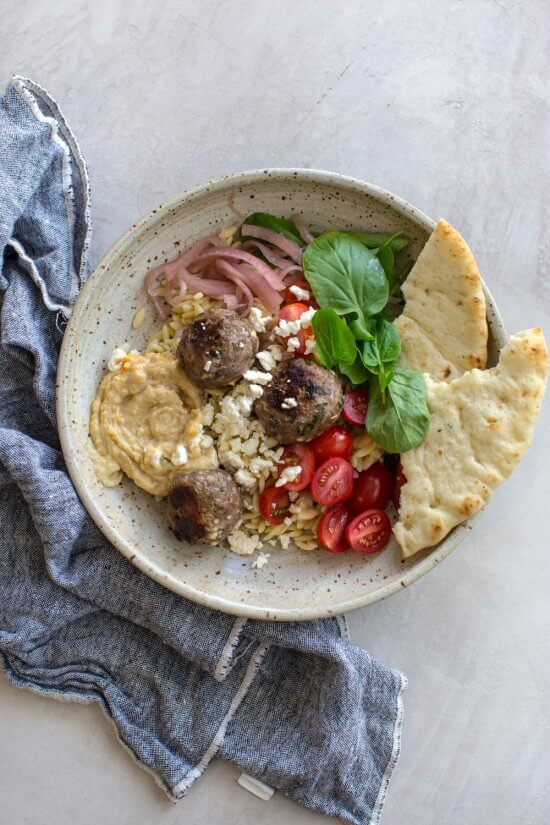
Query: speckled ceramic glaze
[[294, 585]]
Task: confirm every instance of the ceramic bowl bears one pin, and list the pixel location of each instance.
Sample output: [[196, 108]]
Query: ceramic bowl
[[295, 585]]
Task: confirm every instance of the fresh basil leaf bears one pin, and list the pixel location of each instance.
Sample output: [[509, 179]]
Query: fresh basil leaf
[[282, 225], [399, 420], [345, 275], [387, 259], [400, 275], [356, 373], [334, 341], [383, 349], [373, 240], [360, 330]]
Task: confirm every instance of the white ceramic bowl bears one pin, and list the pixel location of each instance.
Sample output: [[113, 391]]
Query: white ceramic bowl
[[294, 585]]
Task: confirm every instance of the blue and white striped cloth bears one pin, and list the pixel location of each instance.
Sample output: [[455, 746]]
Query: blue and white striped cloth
[[295, 705]]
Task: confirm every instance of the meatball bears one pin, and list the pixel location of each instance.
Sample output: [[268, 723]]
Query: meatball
[[217, 347], [301, 402], [204, 506]]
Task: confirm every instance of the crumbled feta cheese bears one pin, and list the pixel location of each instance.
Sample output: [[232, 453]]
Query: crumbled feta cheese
[[258, 319], [179, 456], [266, 359], [288, 475], [310, 346], [293, 344], [117, 359], [306, 317], [152, 456], [245, 478], [286, 328], [233, 459], [207, 414], [256, 391], [261, 561], [207, 366], [284, 541], [289, 404], [250, 446], [301, 294], [293, 495], [244, 403], [287, 521], [258, 377], [241, 544]]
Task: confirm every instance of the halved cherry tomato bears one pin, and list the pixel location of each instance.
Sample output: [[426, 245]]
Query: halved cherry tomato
[[373, 488], [297, 455], [369, 532], [333, 482], [290, 297], [338, 441], [274, 504], [355, 406], [292, 312], [400, 480], [331, 530]]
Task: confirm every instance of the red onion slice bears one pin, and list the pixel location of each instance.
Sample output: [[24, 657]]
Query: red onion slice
[[302, 228], [292, 249]]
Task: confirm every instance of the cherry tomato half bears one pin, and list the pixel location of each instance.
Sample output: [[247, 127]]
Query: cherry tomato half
[[297, 455], [355, 406], [333, 482], [369, 532], [400, 480], [291, 298], [338, 441], [274, 504], [373, 488], [292, 312], [331, 530]]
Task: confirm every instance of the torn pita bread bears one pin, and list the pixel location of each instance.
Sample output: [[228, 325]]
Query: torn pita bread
[[481, 424], [443, 328]]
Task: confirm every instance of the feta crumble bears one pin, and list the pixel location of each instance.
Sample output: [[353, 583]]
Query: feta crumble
[[207, 366], [241, 544], [310, 346], [286, 328], [244, 478], [261, 560], [306, 317], [179, 456], [289, 404], [288, 475], [301, 294], [258, 377], [256, 391], [117, 359], [258, 319]]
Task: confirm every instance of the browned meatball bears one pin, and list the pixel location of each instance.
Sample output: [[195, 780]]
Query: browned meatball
[[217, 347], [301, 402], [204, 506]]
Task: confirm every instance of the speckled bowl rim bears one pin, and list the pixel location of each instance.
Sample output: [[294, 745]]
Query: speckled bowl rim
[[380, 592]]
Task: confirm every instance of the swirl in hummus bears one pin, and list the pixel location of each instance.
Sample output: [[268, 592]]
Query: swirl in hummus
[[146, 422]]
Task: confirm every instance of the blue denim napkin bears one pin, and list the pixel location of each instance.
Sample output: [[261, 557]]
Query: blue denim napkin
[[295, 705]]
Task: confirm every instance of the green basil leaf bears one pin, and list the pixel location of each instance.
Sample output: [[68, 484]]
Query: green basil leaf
[[383, 349], [360, 330], [387, 259], [356, 373], [334, 341], [282, 225], [374, 239], [400, 420], [345, 275]]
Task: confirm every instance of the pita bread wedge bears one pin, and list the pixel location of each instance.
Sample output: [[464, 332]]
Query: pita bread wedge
[[443, 327], [481, 424]]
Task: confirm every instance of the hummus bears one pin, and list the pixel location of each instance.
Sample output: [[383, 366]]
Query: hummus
[[146, 422]]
